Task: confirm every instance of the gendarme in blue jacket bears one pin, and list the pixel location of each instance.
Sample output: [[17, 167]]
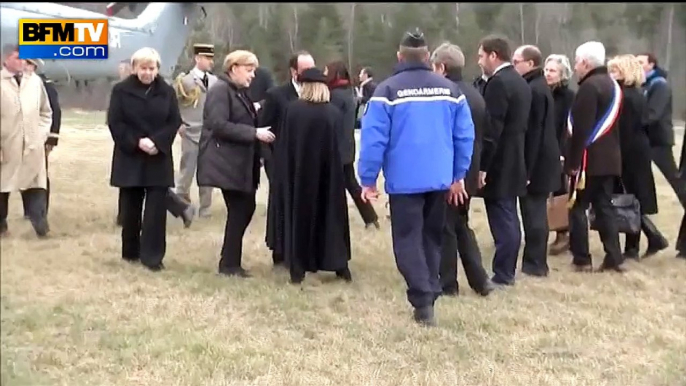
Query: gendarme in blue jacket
[[419, 128]]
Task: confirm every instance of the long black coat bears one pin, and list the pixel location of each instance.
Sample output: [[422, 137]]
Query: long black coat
[[229, 152], [343, 98], [477, 106], [637, 172], [563, 97], [508, 100], [138, 111], [591, 103], [311, 186], [542, 150]]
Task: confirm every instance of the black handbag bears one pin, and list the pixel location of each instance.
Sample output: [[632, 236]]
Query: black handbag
[[627, 210]]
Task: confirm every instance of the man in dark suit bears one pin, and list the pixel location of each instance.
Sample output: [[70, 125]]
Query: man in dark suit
[[448, 60], [367, 84], [273, 114], [277, 99], [503, 175], [542, 157], [365, 91], [593, 157], [261, 83]]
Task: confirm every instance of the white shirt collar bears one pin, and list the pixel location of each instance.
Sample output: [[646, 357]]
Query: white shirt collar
[[501, 67], [296, 85], [199, 73]]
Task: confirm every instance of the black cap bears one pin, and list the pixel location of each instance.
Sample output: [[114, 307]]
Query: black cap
[[413, 39], [312, 75], [204, 50]]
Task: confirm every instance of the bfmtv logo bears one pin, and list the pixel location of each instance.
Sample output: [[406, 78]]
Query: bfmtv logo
[[63, 38]]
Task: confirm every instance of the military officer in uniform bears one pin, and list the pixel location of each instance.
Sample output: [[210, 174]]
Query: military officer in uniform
[[191, 89]]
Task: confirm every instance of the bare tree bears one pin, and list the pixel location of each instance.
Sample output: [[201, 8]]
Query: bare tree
[[293, 33], [670, 28], [521, 21], [351, 32], [537, 24]]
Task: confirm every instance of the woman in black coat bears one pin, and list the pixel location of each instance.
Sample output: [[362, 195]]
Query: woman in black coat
[[557, 73], [343, 97], [637, 173], [143, 118], [311, 182], [229, 153]]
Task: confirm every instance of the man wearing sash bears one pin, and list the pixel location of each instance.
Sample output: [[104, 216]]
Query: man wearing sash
[[594, 159], [191, 89]]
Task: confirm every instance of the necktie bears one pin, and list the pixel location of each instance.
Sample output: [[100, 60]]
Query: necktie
[[17, 76], [205, 80]]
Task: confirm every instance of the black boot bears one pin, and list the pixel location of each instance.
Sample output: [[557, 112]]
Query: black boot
[[656, 241], [345, 275]]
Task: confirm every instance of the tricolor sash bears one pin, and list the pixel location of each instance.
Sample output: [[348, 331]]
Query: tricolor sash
[[601, 128]]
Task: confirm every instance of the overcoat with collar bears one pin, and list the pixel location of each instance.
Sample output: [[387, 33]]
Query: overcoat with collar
[[143, 111], [24, 128]]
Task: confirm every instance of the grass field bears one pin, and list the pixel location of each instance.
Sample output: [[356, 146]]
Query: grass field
[[74, 314]]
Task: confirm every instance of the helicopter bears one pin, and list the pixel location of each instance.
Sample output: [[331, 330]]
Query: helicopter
[[162, 26]]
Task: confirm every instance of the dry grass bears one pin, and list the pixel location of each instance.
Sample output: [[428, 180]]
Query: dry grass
[[74, 314]]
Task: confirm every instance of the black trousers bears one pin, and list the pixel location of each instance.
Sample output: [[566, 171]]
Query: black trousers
[[25, 201], [417, 229], [535, 222], [35, 208], [681, 238], [353, 187], [175, 205], [238, 218], [664, 160], [598, 192], [144, 224], [503, 220], [458, 237]]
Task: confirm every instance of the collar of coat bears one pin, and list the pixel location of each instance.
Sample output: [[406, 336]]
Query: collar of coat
[[533, 74], [454, 75], [133, 86], [410, 66], [596, 71], [6, 74]]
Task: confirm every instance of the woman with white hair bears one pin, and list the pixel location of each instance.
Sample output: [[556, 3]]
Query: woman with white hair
[[143, 118], [558, 72], [637, 173], [229, 153]]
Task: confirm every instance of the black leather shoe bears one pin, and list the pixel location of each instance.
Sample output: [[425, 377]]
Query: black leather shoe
[[235, 272], [425, 316]]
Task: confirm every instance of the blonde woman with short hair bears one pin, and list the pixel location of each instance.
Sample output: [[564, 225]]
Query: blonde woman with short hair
[[229, 153], [317, 234], [143, 118], [637, 173]]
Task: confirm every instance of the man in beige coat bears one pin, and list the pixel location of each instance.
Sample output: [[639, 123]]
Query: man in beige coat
[[24, 128]]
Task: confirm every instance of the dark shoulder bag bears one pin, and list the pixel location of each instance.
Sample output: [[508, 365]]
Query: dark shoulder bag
[[627, 213]]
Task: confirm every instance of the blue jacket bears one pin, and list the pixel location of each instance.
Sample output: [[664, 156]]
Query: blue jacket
[[419, 128]]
